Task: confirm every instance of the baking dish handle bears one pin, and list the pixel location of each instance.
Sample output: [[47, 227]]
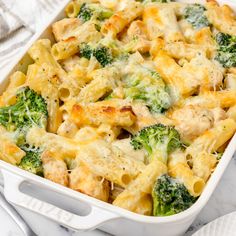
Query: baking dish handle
[[95, 218]]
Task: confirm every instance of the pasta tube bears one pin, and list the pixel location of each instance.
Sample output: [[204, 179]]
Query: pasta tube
[[41, 54], [136, 197], [9, 151], [112, 164], [65, 49], [72, 9], [213, 138], [161, 21], [202, 147], [121, 19], [211, 99], [222, 17], [179, 169], [97, 114], [40, 138], [9, 96], [62, 29]]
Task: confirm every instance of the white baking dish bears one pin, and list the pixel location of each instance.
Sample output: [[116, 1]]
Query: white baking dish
[[94, 213]]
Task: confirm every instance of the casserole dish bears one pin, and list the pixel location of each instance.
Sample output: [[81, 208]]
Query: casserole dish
[[96, 214]]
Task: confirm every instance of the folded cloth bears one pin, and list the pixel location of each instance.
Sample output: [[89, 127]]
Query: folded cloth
[[8, 23], [19, 20]]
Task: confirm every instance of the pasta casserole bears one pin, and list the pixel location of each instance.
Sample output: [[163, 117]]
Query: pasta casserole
[[132, 102]]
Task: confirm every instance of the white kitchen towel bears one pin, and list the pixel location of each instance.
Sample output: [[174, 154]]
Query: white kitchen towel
[[222, 226], [19, 20]]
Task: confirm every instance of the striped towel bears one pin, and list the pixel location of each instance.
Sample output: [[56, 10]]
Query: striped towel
[[19, 20]]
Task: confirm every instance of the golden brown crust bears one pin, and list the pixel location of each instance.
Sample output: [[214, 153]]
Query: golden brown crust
[[62, 29], [222, 17], [96, 114]]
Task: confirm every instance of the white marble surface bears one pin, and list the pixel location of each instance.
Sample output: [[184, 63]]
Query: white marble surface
[[222, 202]]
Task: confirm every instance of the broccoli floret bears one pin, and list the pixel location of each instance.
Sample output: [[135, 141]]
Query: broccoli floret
[[226, 59], [226, 42], [86, 51], [32, 161], [158, 140], [101, 53], [223, 40], [30, 109], [226, 52], [170, 197], [87, 11], [195, 15], [147, 86]]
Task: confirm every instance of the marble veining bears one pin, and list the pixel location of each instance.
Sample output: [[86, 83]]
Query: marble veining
[[223, 201]]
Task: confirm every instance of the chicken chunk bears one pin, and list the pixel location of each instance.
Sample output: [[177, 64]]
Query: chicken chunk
[[192, 121], [84, 181], [54, 168]]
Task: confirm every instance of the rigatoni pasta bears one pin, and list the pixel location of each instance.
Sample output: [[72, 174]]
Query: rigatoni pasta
[[65, 49], [178, 168], [98, 114], [161, 21], [110, 163], [62, 29], [222, 17], [121, 19], [9, 96], [136, 197]]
